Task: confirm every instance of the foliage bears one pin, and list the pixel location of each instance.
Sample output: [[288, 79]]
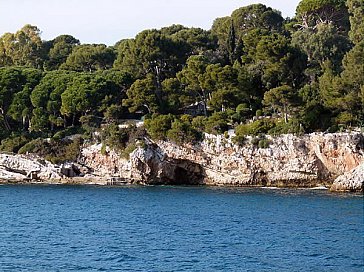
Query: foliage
[[120, 137], [158, 126], [59, 151], [89, 57], [128, 150], [293, 126], [34, 146], [217, 123], [264, 143], [182, 131], [13, 143], [305, 72], [312, 12], [255, 128], [23, 48]]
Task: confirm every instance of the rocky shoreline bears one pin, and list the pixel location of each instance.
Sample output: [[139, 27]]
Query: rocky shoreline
[[334, 161]]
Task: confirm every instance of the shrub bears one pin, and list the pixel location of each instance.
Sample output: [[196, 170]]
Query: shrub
[[264, 143], [293, 126], [62, 151], [239, 140], [67, 132], [260, 141], [217, 123], [128, 150], [103, 149], [255, 128], [33, 146], [114, 136], [255, 141], [14, 143], [182, 131], [199, 122], [158, 126]]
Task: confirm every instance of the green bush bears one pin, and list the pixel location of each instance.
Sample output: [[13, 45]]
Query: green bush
[[239, 140], [158, 126], [62, 151], [128, 150], [217, 123], [114, 137], [182, 131], [255, 141], [293, 126], [264, 143], [121, 139], [103, 149], [199, 122], [67, 132], [255, 128], [260, 141], [33, 146], [14, 143]]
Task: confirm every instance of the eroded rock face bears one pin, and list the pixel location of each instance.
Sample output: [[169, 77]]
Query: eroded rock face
[[305, 161], [153, 166], [19, 168], [352, 181], [290, 161], [149, 165]]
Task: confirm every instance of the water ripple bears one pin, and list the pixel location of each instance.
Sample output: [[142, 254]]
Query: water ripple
[[65, 228]]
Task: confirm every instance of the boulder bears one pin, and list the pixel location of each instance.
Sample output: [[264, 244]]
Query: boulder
[[352, 181]]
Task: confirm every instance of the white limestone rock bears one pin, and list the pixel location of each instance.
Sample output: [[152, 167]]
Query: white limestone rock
[[352, 181]]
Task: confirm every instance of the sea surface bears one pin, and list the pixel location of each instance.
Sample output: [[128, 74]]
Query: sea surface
[[86, 228]]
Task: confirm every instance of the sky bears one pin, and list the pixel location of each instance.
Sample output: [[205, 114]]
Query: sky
[[108, 21]]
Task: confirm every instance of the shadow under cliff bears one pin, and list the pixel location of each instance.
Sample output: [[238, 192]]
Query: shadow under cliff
[[178, 172]]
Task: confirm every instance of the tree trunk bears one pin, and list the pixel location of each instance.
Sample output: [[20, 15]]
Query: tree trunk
[[204, 102], [6, 122]]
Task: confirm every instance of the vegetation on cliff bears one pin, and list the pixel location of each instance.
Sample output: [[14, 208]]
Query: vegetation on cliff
[[254, 71]]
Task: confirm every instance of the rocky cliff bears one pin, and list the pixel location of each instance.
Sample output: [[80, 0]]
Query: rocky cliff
[[351, 181], [289, 161], [19, 168]]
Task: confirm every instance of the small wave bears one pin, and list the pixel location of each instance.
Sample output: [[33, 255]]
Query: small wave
[[319, 188], [270, 188]]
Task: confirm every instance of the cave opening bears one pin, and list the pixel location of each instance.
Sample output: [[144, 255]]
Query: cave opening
[[181, 176]]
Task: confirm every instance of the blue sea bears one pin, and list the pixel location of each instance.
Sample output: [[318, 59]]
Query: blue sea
[[87, 228]]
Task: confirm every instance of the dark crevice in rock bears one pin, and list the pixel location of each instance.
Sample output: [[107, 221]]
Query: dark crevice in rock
[[187, 173]]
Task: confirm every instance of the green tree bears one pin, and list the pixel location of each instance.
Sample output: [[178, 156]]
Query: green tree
[[174, 96], [356, 10], [193, 81], [256, 16], [322, 44], [281, 100], [20, 108], [144, 95], [314, 12], [85, 95], [46, 100], [10, 83], [158, 126], [275, 62], [89, 57], [150, 52], [59, 50], [182, 131], [23, 48]]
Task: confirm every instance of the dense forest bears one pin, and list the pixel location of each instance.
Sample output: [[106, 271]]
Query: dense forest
[[254, 71]]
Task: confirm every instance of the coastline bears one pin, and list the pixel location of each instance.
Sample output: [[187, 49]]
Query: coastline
[[319, 161], [104, 182]]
